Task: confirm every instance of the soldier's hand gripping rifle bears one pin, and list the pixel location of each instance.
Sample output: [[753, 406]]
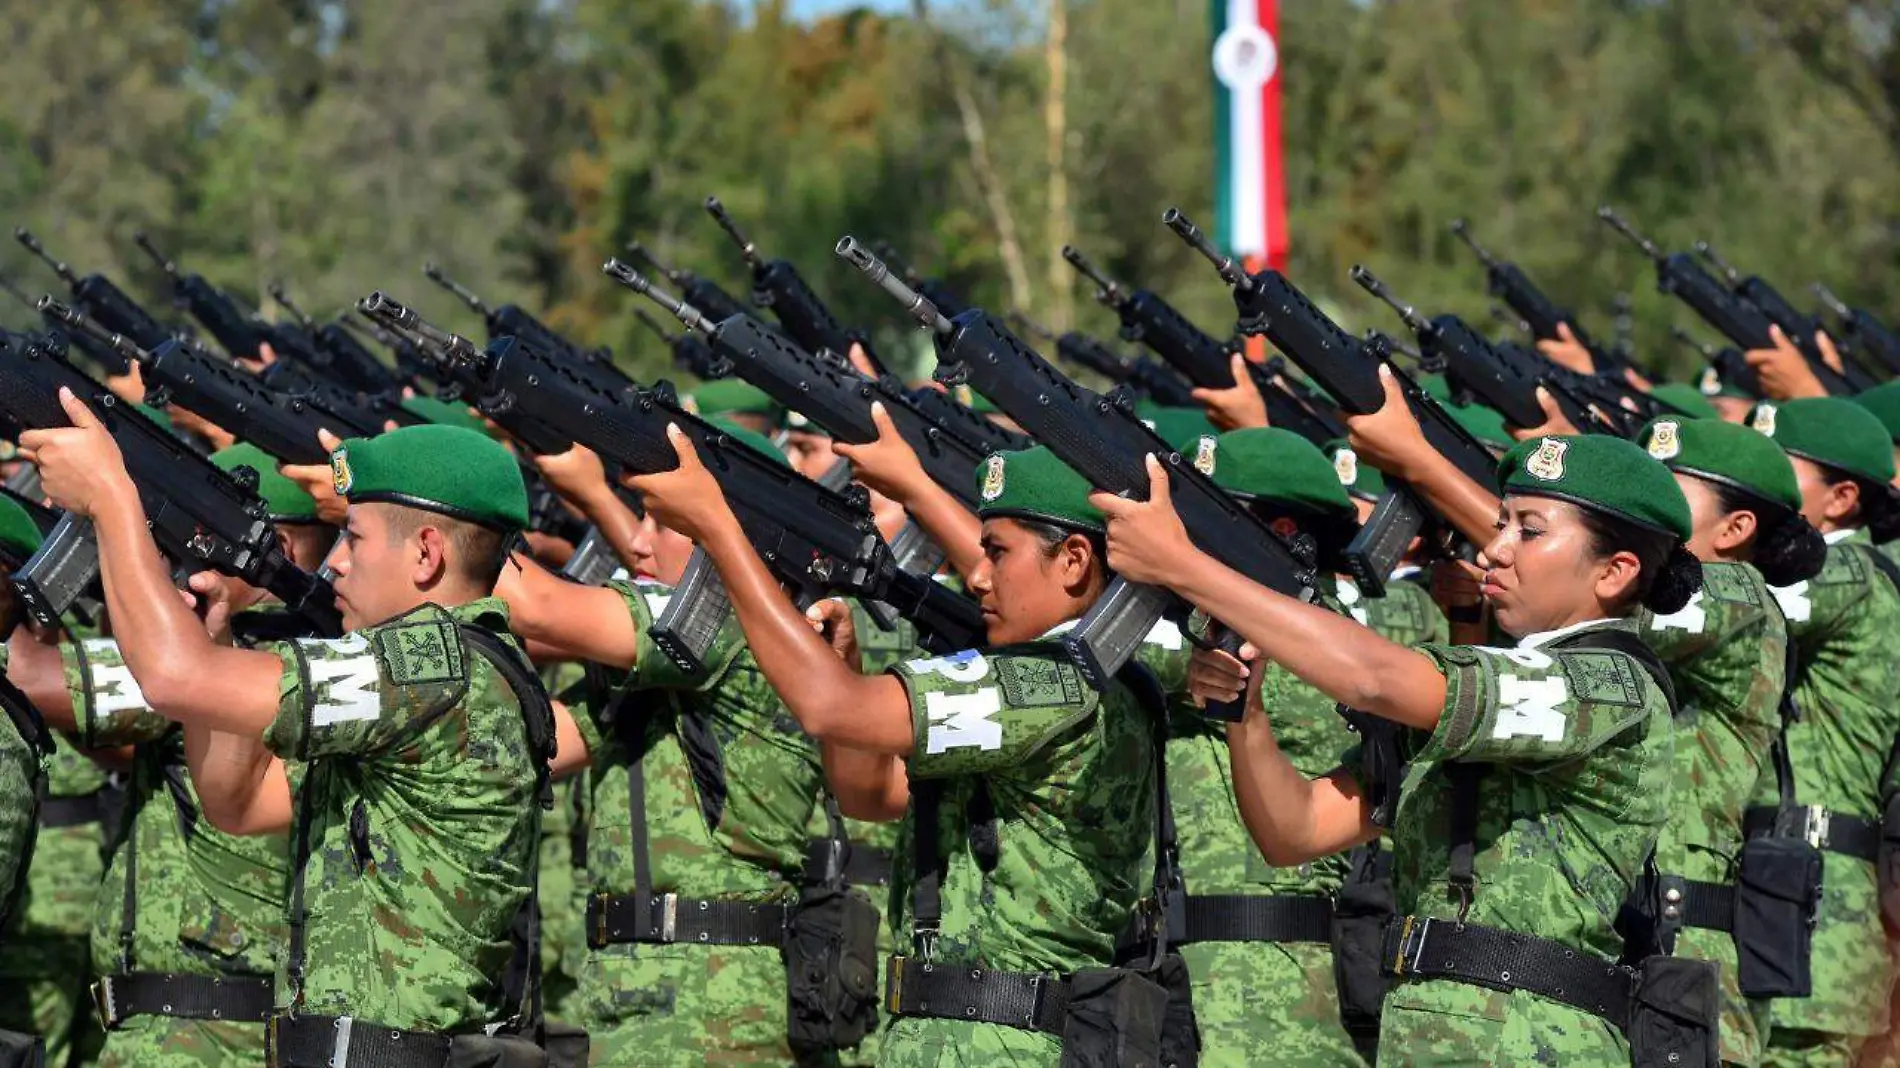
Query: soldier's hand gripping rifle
[[1799, 326], [282, 424], [1103, 441], [1739, 320], [815, 540], [1508, 282], [199, 516], [776, 284], [1347, 367], [1142, 375], [1869, 337], [95, 295], [950, 442], [350, 365]]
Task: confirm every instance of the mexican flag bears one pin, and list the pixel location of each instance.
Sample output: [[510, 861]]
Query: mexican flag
[[1250, 203]]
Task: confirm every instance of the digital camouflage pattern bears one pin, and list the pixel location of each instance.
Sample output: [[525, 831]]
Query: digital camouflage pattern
[[1070, 774], [1843, 622], [1727, 655], [694, 1004], [206, 903], [1578, 744], [20, 770], [1260, 1002], [46, 967], [404, 727], [563, 943]]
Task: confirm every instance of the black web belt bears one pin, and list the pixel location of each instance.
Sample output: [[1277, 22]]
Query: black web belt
[[658, 919], [1836, 832], [1709, 906], [1422, 948], [243, 998], [305, 1041], [1243, 918], [1032, 1001], [56, 812]]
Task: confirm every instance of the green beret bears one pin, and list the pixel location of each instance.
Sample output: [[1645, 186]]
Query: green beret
[[1884, 402], [19, 535], [728, 396], [1599, 472], [448, 469], [1359, 480], [1274, 465], [1723, 452], [1033, 484], [1485, 424], [756, 441], [1686, 399], [1181, 428], [1830, 431], [444, 413], [287, 501]]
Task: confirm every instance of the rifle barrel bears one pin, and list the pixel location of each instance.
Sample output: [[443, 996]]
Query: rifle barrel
[[65, 273], [914, 302], [1232, 273], [1463, 230], [1371, 284], [674, 306], [746, 248], [1622, 226]]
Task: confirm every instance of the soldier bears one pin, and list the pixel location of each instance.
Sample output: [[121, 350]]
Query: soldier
[[1031, 795], [43, 972], [1727, 654], [188, 925], [413, 742], [24, 748], [1406, 614], [1847, 707], [1533, 779], [703, 788]]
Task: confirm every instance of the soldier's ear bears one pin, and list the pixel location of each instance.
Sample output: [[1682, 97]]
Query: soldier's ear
[[430, 560]]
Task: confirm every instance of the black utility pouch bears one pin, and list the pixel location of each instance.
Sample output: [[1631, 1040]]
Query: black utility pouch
[[1676, 1015], [494, 1051], [830, 970], [1778, 889], [1361, 911], [1180, 1033], [21, 1051], [1114, 1021], [1887, 868], [567, 1044]]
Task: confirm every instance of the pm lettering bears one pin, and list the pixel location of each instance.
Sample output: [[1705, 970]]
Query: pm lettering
[[966, 666], [349, 684], [1531, 708], [963, 721]]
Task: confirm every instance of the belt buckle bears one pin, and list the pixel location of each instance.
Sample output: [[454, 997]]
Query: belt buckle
[[1038, 985], [894, 983], [1411, 945], [340, 1048], [102, 1003], [1814, 826], [669, 916]]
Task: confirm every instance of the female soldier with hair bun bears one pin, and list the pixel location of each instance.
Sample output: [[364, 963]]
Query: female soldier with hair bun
[[1727, 653], [1534, 779]]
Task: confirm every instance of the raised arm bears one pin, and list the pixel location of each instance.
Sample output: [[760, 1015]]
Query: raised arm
[[890, 466], [1390, 439]]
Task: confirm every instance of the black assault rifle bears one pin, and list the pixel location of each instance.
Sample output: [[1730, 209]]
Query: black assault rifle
[[1540, 314], [776, 284]]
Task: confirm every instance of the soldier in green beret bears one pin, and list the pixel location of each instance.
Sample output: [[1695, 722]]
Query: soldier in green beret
[[1522, 788], [410, 754], [702, 791], [1727, 654], [1030, 795], [1686, 399], [1847, 696], [189, 920], [22, 774]]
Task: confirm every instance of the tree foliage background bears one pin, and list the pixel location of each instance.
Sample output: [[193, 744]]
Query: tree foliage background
[[337, 144]]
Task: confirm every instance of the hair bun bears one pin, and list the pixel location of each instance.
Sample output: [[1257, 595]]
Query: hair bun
[[1789, 550], [1680, 578]]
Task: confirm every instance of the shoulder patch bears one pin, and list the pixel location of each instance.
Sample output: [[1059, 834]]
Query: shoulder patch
[[1039, 682], [1730, 584], [1844, 567], [422, 653], [1603, 678]]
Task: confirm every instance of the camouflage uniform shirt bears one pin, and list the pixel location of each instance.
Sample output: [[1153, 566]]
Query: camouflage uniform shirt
[[1843, 622], [404, 730], [1577, 752]]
